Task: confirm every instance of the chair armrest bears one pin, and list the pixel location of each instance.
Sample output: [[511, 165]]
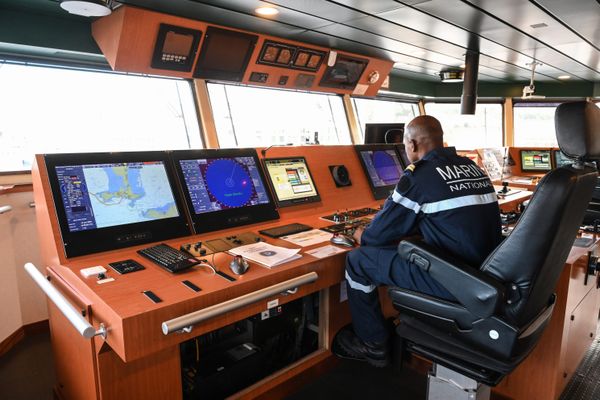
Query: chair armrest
[[433, 309], [479, 293]]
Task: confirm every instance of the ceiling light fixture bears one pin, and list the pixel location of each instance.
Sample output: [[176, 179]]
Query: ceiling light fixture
[[452, 75], [87, 8], [267, 11], [564, 77]]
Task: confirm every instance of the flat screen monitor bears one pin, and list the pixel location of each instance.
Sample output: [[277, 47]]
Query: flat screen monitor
[[291, 181], [106, 201], [403, 156], [223, 188], [344, 74], [383, 167], [224, 54], [384, 133], [536, 160], [560, 159]]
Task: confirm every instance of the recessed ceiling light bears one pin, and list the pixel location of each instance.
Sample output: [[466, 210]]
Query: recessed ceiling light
[[267, 11], [564, 77]]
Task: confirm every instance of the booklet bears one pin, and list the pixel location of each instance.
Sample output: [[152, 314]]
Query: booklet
[[266, 254]]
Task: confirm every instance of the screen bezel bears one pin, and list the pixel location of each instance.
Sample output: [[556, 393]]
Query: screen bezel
[[326, 79], [555, 154], [208, 73], [119, 236], [381, 192], [290, 202], [232, 217], [378, 127], [523, 151]]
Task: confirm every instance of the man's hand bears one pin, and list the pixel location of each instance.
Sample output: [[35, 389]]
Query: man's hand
[[358, 234]]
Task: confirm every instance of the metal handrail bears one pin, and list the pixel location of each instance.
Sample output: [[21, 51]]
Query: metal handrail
[[185, 322], [71, 313]]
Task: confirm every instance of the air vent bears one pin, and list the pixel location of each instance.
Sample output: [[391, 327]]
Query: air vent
[[540, 25]]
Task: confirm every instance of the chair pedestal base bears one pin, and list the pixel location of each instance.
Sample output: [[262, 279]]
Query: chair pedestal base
[[446, 384]]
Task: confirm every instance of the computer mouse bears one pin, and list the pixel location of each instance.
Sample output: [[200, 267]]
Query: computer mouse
[[343, 240], [239, 265]]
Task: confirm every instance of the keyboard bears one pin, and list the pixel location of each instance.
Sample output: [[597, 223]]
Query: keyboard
[[285, 230], [169, 258]]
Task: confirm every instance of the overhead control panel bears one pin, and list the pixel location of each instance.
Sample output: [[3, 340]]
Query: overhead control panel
[[147, 42]]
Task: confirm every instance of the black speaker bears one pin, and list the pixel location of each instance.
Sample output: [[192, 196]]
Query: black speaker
[[340, 175]]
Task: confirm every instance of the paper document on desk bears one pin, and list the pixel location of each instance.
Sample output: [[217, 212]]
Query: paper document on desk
[[308, 238], [266, 254], [326, 251]]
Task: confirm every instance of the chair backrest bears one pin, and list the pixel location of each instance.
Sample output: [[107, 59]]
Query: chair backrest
[[531, 259]]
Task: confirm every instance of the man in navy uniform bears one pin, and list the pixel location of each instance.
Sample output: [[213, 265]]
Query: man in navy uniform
[[445, 198]]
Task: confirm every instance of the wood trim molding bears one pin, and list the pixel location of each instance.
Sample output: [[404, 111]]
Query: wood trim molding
[[508, 123], [11, 341], [28, 187], [421, 104], [15, 338], [205, 114], [352, 119]]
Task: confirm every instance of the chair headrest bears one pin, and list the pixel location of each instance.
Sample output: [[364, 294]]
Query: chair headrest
[[578, 129]]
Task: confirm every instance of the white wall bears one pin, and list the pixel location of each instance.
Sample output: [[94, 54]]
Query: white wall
[[21, 302]]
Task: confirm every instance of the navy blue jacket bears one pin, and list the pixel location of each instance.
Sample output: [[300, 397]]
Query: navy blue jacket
[[449, 201]]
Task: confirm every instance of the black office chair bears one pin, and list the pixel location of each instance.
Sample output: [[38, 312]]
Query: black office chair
[[504, 305]]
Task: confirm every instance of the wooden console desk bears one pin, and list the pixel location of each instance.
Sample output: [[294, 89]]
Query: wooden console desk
[[137, 361]]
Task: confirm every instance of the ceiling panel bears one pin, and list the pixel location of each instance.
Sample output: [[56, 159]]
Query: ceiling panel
[[579, 15], [420, 36]]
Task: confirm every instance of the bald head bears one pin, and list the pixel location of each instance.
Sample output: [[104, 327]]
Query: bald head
[[422, 134]]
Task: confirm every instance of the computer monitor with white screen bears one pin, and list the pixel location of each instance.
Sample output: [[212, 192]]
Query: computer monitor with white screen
[[106, 201], [291, 181], [536, 160], [383, 167], [223, 188]]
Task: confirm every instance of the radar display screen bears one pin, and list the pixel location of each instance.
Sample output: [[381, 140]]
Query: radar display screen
[[383, 167], [291, 181], [223, 183], [223, 188]]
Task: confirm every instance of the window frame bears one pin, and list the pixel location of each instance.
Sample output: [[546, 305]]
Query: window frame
[[69, 65]]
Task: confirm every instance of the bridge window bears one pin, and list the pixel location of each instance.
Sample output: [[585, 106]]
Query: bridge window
[[51, 110], [469, 132], [383, 111], [534, 125], [254, 117]]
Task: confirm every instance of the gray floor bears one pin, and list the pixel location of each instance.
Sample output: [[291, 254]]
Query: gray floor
[[27, 373], [27, 370]]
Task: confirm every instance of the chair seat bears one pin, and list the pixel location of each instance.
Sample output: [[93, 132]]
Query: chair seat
[[441, 348]]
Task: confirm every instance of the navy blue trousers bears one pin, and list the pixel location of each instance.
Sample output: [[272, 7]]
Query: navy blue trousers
[[369, 267]]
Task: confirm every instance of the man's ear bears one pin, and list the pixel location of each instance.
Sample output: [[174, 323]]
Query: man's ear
[[413, 145]]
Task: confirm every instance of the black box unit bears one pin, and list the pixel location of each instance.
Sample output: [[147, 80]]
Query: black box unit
[[223, 362]]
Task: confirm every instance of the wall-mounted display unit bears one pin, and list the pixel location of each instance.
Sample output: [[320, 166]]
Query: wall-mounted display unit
[[291, 181], [176, 48], [345, 73], [107, 201], [382, 167], [224, 54], [223, 188], [288, 56], [535, 161], [560, 159]]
